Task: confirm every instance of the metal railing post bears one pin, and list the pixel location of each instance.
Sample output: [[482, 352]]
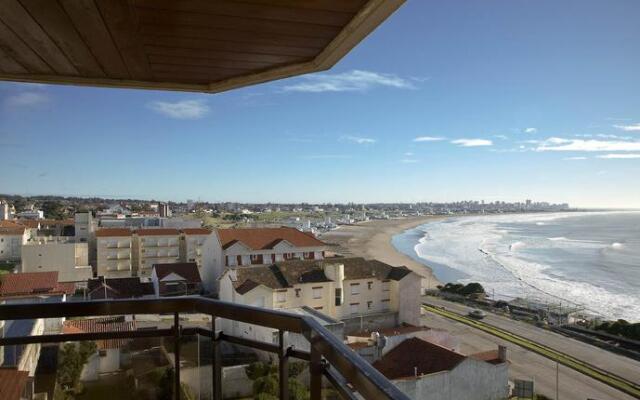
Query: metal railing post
[[283, 367], [216, 363], [315, 372], [176, 352]]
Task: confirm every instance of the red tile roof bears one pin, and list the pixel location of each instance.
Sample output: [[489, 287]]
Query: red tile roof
[[94, 325], [267, 238], [196, 231], [157, 232], [113, 232], [11, 228], [33, 283], [491, 356], [30, 223], [12, 383], [413, 353]]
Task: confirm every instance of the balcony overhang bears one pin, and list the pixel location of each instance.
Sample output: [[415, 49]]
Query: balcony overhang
[[190, 45]]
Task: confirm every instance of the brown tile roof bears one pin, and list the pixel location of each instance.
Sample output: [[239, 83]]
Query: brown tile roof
[[113, 232], [11, 228], [33, 283], [287, 273], [118, 288], [157, 232], [196, 231], [94, 325], [413, 353], [30, 223], [189, 271], [12, 383], [267, 238]]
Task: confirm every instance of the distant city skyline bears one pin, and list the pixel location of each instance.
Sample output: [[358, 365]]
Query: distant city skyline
[[446, 101]]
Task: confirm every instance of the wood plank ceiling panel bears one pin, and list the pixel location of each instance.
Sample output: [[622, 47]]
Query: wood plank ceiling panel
[[20, 52], [50, 14], [23, 25], [9, 65], [88, 21]]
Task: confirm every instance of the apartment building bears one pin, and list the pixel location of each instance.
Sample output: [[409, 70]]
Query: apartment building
[[70, 259], [263, 246], [341, 288], [114, 252], [85, 226], [12, 237], [154, 246]]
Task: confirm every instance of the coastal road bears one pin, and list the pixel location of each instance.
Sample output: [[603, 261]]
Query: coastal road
[[526, 364]]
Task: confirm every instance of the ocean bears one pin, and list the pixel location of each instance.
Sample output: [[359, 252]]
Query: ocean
[[591, 259]]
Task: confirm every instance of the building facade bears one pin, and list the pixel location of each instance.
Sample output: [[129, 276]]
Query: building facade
[[114, 251], [70, 259], [12, 237]]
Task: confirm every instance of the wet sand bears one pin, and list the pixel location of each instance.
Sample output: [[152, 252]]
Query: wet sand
[[372, 239]]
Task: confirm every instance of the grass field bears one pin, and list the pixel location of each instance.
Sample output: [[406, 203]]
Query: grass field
[[594, 372]]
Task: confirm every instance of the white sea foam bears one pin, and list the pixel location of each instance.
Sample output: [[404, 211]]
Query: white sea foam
[[489, 254]]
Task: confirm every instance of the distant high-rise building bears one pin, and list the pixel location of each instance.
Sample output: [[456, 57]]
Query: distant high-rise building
[[163, 210]]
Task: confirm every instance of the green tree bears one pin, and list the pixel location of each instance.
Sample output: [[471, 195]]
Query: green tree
[[53, 209]]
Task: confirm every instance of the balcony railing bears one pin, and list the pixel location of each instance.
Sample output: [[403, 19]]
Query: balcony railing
[[328, 356]]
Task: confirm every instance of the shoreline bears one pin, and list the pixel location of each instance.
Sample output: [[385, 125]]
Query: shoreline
[[372, 240]]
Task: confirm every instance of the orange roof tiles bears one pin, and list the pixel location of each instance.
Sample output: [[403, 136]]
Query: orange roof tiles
[[33, 284], [266, 238], [95, 325], [196, 231], [157, 232], [110, 232]]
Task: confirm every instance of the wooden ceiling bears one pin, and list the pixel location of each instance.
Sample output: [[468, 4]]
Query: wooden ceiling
[[199, 45]]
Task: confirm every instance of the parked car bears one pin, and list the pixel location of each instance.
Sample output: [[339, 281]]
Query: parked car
[[477, 314]]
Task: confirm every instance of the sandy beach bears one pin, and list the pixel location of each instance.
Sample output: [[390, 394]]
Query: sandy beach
[[372, 239]]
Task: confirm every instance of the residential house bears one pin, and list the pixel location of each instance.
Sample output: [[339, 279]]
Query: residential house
[[12, 237], [109, 356], [262, 246], [70, 259], [361, 293], [424, 370], [114, 253], [176, 279]]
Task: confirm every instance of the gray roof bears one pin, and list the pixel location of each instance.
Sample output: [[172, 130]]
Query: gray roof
[[285, 274]]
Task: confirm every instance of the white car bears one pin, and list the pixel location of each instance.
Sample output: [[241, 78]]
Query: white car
[[477, 314]]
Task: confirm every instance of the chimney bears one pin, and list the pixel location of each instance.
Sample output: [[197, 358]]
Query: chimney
[[502, 353]]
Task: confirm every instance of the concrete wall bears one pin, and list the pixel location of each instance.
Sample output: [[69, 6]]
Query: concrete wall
[[370, 322], [470, 380], [11, 246], [114, 268], [71, 260], [409, 302]]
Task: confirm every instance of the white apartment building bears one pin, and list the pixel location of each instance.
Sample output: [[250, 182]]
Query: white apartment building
[[12, 237], [154, 246], [70, 259], [263, 246], [6, 210], [114, 253], [197, 245], [84, 226], [341, 288]]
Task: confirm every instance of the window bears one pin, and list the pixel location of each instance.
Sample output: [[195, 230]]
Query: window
[[102, 353], [369, 285], [355, 308], [317, 292], [281, 297], [297, 292], [338, 297], [369, 305], [317, 308], [385, 286], [355, 288]]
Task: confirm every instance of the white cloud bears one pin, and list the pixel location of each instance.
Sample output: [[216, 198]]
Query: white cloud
[[629, 128], [184, 109], [352, 81], [26, 99], [409, 161], [503, 137], [427, 139], [358, 139], [560, 144], [530, 130], [472, 142], [408, 154], [621, 156], [574, 158]]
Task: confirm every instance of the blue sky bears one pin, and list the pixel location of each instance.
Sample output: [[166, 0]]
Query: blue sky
[[447, 100]]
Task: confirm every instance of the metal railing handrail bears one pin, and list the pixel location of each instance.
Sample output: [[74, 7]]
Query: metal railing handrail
[[356, 371]]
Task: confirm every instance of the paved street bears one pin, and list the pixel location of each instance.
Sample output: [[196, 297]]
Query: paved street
[[528, 365]]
